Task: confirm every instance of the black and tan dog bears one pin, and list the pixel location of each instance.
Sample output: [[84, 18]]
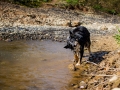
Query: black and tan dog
[[77, 40]]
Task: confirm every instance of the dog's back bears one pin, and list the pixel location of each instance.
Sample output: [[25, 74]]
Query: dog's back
[[82, 34], [82, 30], [78, 38]]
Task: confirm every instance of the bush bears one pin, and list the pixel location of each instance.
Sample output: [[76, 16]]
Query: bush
[[72, 4], [97, 7], [30, 3], [117, 36], [46, 0]]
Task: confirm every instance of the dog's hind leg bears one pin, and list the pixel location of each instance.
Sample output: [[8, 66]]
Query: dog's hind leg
[[89, 50], [88, 46]]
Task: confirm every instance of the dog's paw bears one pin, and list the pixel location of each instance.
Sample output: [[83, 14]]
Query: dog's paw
[[78, 64], [72, 67]]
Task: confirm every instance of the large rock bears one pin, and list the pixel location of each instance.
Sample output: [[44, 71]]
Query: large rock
[[76, 23]]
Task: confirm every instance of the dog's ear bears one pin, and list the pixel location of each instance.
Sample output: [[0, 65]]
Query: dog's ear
[[66, 46], [70, 32]]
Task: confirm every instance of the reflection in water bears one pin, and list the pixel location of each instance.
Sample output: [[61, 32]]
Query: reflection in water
[[34, 65]]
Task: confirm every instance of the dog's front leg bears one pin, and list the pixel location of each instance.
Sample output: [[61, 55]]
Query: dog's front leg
[[80, 55], [76, 59]]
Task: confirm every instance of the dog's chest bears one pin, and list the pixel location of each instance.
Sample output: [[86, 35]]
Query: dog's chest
[[77, 48]]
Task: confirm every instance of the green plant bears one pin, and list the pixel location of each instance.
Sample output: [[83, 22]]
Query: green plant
[[97, 7], [72, 2], [117, 36], [46, 0], [29, 3], [112, 11]]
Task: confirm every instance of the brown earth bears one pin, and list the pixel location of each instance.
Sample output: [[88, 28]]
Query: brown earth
[[104, 63]]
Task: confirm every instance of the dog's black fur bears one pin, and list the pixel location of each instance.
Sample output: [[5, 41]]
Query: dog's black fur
[[77, 40]]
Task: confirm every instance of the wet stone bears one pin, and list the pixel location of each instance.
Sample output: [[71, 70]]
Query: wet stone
[[76, 86], [82, 85]]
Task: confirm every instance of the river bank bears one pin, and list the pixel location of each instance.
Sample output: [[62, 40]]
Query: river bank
[[19, 22], [101, 70]]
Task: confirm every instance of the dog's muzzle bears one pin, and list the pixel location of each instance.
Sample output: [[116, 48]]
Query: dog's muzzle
[[75, 43]]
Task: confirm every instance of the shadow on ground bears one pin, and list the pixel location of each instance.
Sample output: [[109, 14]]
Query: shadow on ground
[[97, 57]]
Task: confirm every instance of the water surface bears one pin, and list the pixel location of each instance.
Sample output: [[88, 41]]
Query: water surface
[[34, 65]]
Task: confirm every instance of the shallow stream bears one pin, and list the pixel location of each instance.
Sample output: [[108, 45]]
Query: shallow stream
[[34, 65]]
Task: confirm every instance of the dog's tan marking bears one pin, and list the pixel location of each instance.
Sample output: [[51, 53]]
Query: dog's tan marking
[[77, 53], [76, 58]]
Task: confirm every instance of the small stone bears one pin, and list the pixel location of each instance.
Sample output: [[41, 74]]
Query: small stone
[[82, 84], [116, 89], [118, 51], [115, 77], [8, 40], [76, 86], [73, 84]]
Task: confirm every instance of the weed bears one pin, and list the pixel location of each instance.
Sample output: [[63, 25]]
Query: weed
[[117, 36]]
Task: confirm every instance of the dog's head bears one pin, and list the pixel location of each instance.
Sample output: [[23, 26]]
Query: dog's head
[[72, 41]]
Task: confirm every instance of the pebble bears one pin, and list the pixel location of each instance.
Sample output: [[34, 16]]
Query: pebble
[[114, 78], [40, 32], [76, 86], [59, 33], [116, 89], [118, 51], [82, 85]]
